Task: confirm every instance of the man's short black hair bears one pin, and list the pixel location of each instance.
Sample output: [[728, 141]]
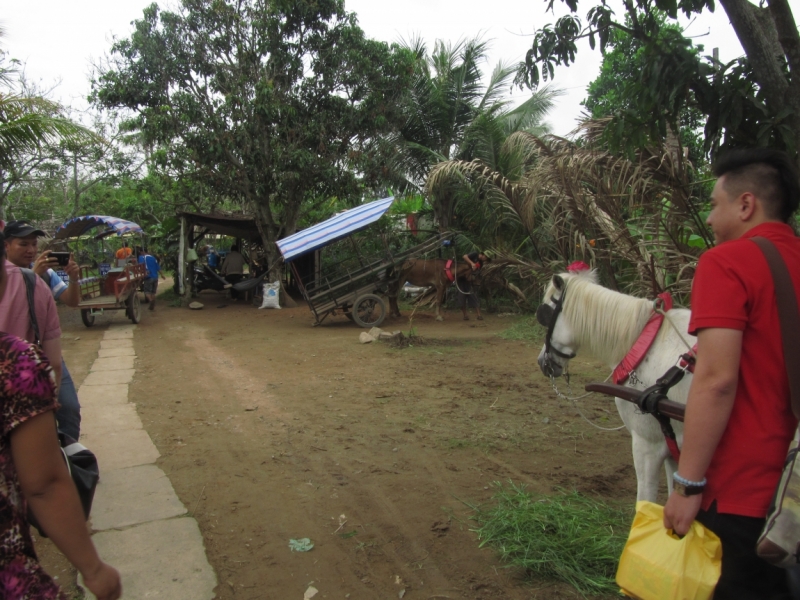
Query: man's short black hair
[[234, 248], [2, 247], [769, 174]]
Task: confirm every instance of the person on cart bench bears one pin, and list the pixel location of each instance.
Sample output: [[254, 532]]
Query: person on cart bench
[[233, 268], [123, 254], [22, 244]]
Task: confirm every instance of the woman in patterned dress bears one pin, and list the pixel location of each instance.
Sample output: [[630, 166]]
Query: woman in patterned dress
[[33, 473]]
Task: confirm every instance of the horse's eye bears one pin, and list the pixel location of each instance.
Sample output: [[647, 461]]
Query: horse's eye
[[544, 314]]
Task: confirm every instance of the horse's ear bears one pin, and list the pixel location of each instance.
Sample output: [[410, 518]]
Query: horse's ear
[[558, 282]]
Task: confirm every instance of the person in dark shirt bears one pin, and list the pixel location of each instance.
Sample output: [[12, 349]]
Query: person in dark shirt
[[466, 295]]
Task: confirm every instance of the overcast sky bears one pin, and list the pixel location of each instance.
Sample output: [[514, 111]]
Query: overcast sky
[[59, 39]]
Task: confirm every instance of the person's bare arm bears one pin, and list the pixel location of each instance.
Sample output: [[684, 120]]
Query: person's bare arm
[[72, 295], [51, 495], [52, 350], [708, 409], [468, 261]]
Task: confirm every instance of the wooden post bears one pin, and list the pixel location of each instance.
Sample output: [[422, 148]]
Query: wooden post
[[182, 258]]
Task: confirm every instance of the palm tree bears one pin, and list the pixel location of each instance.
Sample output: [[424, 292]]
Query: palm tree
[[452, 115], [28, 124], [635, 218]]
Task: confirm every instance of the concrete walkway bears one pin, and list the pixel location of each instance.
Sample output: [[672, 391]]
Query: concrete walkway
[[141, 526]]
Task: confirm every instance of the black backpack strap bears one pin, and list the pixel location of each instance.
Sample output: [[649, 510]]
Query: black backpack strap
[[30, 284]]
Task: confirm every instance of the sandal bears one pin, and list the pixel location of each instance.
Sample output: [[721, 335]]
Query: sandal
[[480, 317], [466, 318]]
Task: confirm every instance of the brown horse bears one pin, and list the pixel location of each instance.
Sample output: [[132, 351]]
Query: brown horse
[[427, 273]]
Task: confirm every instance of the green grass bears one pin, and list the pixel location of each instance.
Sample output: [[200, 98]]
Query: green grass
[[169, 297], [525, 329], [565, 537]]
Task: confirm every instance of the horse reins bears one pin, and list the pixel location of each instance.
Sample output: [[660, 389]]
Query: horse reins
[[548, 315]]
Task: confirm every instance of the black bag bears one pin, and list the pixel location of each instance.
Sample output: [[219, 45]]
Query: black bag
[[81, 462], [85, 473]]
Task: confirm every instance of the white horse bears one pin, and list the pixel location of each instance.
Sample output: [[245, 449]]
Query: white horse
[[605, 324]]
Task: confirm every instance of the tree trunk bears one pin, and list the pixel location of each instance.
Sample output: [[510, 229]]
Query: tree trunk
[[758, 34], [789, 40], [3, 195], [76, 198]]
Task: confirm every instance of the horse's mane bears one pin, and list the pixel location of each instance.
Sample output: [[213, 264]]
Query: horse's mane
[[605, 322]]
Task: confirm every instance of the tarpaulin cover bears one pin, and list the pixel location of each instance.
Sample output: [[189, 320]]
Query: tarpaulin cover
[[333, 229], [80, 225]]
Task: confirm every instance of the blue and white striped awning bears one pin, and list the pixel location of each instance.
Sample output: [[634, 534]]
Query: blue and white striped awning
[[79, 226], [333, 229]]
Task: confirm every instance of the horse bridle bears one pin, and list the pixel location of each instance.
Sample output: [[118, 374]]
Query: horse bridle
[[547, 316]]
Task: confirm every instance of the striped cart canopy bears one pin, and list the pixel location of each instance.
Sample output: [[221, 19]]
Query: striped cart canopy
[[335, 228], [79, 226]]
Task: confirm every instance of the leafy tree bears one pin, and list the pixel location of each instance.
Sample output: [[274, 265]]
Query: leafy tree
[[615, 91], [754, 100], [451, 115], [273, 105]]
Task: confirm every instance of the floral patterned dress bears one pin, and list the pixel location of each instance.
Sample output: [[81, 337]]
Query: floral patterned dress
[[26, 390]]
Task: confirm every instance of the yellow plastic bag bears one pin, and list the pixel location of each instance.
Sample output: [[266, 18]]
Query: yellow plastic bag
[[656, 564]]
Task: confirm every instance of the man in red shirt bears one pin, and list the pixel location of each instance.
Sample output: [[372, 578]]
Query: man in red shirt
[[739, 420]]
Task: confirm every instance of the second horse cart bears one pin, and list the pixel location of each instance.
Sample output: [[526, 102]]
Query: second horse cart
[[106, 284], [352, 281]]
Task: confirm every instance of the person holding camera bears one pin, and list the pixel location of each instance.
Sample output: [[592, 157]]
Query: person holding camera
[[22, 245]]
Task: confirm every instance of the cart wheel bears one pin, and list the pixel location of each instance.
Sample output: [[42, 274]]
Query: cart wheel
[[87, 317], [369, 310], [134, 310]]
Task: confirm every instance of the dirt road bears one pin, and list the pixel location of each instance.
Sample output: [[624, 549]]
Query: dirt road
[[272, 430]]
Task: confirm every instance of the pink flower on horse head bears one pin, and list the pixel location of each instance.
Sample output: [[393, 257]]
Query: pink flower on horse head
[[578, 266]]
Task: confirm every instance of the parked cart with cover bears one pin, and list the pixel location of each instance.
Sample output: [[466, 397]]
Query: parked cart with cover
[[107, 285], [351, 287]]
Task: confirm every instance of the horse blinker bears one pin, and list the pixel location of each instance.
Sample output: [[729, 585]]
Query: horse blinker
[[544, 314]]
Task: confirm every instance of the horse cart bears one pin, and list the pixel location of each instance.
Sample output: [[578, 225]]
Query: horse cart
[[105, 285], [352, 286]]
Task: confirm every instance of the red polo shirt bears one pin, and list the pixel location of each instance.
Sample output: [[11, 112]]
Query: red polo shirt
[[733, 289]]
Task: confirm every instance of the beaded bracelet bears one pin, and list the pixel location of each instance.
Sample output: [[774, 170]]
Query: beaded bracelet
[[686, 482]]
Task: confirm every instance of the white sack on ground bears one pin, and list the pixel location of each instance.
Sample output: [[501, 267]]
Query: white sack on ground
[[271, 298]]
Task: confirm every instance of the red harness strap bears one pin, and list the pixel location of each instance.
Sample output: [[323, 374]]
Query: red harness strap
[[640, 348], [672, 444], [448, 271]]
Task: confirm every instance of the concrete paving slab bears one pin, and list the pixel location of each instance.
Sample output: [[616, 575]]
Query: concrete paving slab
[[118, 333], [103, 395], [98, 420], [132, 496], [109, 352], [121, 449], [163, 560], [124, 343], [114, 363], [108, 377]]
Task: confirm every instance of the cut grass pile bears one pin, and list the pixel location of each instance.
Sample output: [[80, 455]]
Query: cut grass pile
[[170, 298], [567, 537], [525, 329]]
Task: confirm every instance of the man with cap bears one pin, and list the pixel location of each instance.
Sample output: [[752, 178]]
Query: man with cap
[[22, 242]]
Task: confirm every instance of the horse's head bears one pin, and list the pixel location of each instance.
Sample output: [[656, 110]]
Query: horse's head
[[560, 345]]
